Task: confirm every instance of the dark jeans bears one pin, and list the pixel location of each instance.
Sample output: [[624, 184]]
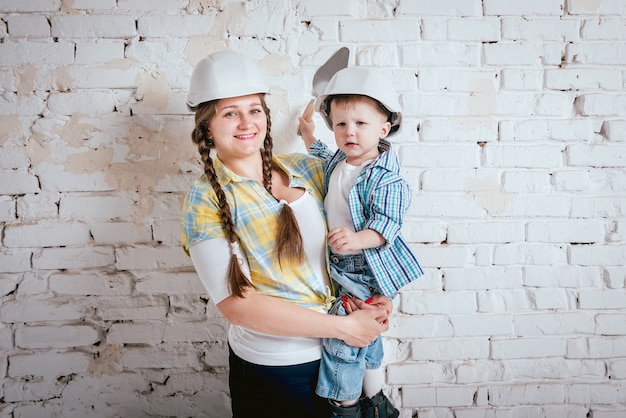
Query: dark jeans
[[275, 391]]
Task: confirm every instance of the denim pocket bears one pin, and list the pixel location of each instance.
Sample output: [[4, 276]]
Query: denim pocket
[[340, 349]]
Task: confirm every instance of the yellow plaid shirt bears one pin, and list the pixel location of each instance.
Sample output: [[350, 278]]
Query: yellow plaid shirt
[[254, 213]]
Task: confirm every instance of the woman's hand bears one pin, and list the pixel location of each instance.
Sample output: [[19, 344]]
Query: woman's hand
[[377, 301], [364, 325]]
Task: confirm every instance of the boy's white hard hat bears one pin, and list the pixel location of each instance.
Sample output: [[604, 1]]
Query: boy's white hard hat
[[224, 74], [365, 82]]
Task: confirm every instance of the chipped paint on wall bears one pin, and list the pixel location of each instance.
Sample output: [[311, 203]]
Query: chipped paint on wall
[[108, 362], [488, 194], [62, 79], [153, 90], [588, 5], [10, 127], [25, 77], [74, 132]]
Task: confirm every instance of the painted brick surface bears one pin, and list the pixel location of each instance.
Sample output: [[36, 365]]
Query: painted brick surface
[[513, 143]]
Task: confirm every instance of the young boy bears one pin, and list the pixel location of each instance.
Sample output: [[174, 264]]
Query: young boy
[[366, 199]]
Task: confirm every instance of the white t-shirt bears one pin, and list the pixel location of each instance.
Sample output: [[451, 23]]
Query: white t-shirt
[[336, 202]]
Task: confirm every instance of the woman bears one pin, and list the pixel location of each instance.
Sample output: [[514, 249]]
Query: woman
[[264, 213]]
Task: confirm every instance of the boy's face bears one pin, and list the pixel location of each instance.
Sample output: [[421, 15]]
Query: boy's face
[[358, 125]]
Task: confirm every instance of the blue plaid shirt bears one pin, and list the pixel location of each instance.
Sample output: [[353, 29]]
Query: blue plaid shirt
[[378, 200]]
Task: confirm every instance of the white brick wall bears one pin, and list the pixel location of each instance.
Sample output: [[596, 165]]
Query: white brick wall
[[514, 146]]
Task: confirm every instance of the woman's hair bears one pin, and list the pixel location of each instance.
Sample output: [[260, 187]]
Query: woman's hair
[[288, 239]]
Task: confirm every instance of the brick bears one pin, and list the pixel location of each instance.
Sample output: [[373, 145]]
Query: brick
[[459, 130], [574, 231], [73, 258], [518, 156], [540, 324], [531, 7], [425, 55], [590, 180], [161, 283], [479, 232], [96, 207], [99, 102], [595, 393], [46, 234], [406, 326], [522, 79], [445, 7], [54, 178], [503, 301], [23, 53], [537, 29], [607, 7], [524, 182], [584, 79], [378, 30], [119, 233], [165, 26], [137, 308], [7, 209], [615, 130], [611, 324], [56, 336], [458, 80], [527, 394], [602, 299], [550, 129], [144, 258], [99, 52], [523, 253], [464, 30], [115, 75], [30, 391], [596, 155], [563, 276], [164, 356], [532, 54], [93, 26], [554, 368], [28, 26], [456, 302], [136, 333], [483, 278], [481, 325], [593, 207], [49, 365], [596, 53], [47, 310], [18, 182], [38, 206], [93, 4], [607, 255], [15, 261], [440, 156], [603, 29], [315, 8], [91, 283]]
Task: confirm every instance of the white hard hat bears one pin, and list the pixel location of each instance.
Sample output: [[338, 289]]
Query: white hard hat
[[224, 74], [365, 82]]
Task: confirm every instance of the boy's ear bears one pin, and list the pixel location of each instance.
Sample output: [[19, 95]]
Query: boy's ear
[[385, 130]]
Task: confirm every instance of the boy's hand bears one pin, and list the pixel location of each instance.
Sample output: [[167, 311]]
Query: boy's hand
[[343, 239], [307, 130]]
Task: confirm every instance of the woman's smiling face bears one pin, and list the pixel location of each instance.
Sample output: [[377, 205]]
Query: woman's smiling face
[[239, 127]]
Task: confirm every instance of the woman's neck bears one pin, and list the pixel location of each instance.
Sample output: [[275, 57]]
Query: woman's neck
[[251, 167]]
